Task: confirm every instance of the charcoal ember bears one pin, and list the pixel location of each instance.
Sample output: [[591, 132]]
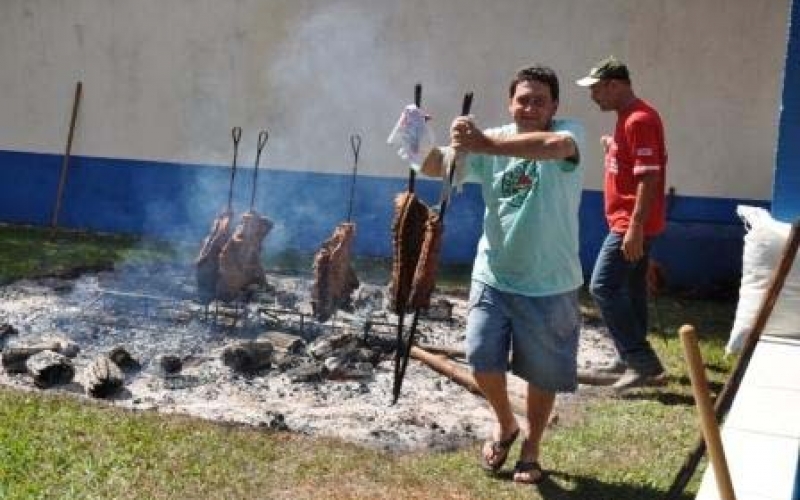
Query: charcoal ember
[[65, 346], [276, 421], [49, 368], [170, 364], [207, 262], [285, 342], [285, 361], [240, 264], [335, 279], [123, 359], [440, 309], [248, 357], [7, 330], [336, 366], [408, 233], [365, 355], [103, 378], [306, 372], [15, 358], [327, 344], [369, 297]]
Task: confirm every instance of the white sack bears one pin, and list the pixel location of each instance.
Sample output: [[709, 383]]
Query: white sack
[[763, 247]]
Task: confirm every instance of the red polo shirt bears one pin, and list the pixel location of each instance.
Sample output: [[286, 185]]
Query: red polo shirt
[[637, 148]]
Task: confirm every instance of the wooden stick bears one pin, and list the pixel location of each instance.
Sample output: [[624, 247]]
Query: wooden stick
[[65, 161], [443, 350], [461, 376], [708, 422], [725, 398]]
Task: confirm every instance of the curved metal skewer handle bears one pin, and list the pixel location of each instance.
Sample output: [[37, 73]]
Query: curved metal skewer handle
[[236, 134], [263, 137], [355, 145]]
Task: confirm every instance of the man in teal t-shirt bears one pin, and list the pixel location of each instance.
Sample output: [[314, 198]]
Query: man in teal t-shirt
[[527, 271]]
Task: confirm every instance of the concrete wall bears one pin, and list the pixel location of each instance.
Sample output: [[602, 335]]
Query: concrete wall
[[164, 81]]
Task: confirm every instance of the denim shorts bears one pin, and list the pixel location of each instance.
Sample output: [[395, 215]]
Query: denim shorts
[[541, 333]]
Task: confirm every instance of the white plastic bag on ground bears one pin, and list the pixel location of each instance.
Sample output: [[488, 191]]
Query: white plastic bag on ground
[[763, 247]]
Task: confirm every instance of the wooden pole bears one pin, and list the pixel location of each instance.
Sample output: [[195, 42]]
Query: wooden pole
[[65, 161], [708, 423], [725, 398], [460, 376]]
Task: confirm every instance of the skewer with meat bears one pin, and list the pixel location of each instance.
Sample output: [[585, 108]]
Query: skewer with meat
[[240, 263], [417, 233], [207, 261], [408, 230], [335, 279]]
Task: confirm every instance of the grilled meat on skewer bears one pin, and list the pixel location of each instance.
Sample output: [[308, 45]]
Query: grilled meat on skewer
[[334, 277], [207, 261], [425, 273], [240, 258], [409, 231]]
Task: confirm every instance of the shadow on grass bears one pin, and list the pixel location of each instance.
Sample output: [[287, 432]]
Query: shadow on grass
[[663, 397], [583, 487]]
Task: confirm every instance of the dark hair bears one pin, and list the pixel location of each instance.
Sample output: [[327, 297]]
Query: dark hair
[[537, 73]]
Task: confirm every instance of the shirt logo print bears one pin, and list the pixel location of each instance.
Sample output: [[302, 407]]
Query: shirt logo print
[[518, 182]]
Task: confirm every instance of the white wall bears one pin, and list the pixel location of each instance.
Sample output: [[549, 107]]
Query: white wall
[[166, 79]]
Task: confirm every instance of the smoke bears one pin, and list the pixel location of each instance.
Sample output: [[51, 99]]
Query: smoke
[[331, 77]]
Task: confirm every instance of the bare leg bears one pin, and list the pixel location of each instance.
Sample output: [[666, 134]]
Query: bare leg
[[540, 405], [493, 386]]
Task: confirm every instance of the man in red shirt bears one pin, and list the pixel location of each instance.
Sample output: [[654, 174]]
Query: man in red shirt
[[635, 171]]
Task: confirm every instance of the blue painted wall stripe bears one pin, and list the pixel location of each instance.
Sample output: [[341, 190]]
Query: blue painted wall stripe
[[178, 201], [786, 187]]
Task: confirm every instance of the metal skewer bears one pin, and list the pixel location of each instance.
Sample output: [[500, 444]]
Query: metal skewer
[[263, 137], [403, 351], [412, 174], [236, 133], [355, 144]]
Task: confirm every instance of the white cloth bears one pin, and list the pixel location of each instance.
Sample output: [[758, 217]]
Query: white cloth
[[413, 135], [451, 159]]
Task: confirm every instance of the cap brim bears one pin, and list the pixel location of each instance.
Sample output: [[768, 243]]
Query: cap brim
[[587, 81]]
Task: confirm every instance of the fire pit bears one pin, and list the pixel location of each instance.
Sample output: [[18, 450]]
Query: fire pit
[[265, 362]]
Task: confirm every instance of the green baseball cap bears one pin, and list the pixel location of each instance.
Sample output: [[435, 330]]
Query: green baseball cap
[[607, 69]]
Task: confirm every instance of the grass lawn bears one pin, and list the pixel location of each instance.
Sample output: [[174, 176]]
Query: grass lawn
[[63, 447]]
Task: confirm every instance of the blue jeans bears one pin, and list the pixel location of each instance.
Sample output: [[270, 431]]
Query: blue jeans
[[619, 288]]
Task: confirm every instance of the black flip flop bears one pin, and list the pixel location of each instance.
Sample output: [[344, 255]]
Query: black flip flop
[[500, 450], [528, 467]]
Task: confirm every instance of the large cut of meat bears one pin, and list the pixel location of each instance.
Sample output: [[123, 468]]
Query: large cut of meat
[[408, 236], [240, 258], [207, 262], [334, 277], [425, 273]]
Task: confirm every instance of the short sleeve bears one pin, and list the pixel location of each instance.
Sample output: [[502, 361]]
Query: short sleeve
[[575, 131], [645, 145]]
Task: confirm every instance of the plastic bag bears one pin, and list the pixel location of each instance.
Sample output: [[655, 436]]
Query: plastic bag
[[763, 247], [414, 136]]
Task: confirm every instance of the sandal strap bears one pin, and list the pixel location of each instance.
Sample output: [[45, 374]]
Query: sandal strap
[[504, 444]]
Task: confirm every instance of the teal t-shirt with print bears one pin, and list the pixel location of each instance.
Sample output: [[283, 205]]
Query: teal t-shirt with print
[[530, 241]]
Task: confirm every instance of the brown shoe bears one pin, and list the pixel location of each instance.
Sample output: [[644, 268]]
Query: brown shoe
[[634, 378]]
